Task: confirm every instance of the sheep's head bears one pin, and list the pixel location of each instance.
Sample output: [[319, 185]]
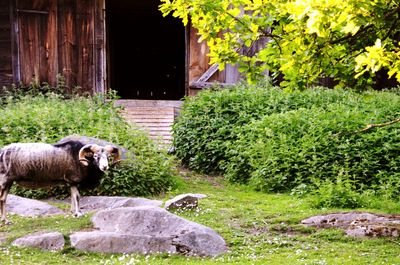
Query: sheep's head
[[98, 155]]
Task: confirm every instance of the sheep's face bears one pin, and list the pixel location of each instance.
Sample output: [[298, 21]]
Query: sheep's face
[[100, 159], [98, 155]]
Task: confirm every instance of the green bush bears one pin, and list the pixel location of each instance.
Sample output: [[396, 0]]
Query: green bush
[[210, 122], [284, 150], [278, 141], [48, 118]]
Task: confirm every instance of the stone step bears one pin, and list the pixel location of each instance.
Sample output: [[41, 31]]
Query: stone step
[[160, 129], [155, 117], [148, 103], [165, 130], [151, 124], [148, 111], [162, 138], [151, 119]]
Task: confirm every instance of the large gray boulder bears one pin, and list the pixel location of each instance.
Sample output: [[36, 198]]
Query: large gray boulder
[[161, 231], [114, 242], [341, 220], [96, 203], [33, 208], [28, 207], [358, 224], [44, 240]]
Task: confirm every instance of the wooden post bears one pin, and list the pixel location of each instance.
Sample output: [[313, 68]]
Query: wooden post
[[100, 75], [14, 42]]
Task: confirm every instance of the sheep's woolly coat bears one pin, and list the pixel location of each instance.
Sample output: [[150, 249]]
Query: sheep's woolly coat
[[41, 165]]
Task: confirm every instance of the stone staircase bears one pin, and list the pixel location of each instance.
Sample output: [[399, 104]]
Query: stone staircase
[[154, 116]]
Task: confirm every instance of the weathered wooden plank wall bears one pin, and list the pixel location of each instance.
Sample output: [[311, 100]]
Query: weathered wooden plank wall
[[37, 41], [6, 76], [42, 38], [66, 37], [199, 63], [85, 43], [76, 35]]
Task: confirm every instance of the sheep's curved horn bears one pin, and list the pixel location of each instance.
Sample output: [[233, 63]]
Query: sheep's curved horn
[[87, 151], [114, 151]]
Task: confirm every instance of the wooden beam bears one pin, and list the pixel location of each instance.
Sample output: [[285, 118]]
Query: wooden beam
[[207, 75], [187, 58], [14, 43], [38, 12], [100, 74], [201, 85]]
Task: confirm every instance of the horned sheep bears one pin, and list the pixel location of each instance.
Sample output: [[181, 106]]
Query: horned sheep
[[36, 165]]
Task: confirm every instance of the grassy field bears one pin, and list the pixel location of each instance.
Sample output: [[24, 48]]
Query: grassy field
[[259, 228]]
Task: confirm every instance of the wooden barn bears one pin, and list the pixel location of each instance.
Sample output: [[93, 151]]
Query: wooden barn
[[125, 45], [99, 44]]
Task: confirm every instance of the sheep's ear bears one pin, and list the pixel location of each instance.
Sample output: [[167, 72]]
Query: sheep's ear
[[114, 151]]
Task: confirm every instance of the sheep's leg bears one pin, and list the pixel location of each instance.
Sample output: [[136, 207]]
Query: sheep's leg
[[75, 196], [3, 197]]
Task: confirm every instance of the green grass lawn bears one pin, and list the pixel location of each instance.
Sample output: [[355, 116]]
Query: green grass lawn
[[259, 228]]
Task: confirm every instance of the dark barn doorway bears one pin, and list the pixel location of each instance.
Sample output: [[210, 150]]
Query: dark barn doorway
[[146, 51]]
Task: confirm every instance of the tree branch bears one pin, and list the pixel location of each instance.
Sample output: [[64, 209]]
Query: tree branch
[[349, 36], [369, 127], [392, 27]]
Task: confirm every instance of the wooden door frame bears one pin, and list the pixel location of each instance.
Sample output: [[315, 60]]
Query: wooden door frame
[[100, 50], [187, 54], [16, 69]]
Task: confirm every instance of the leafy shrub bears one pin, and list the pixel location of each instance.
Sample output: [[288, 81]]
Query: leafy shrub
[[48, 118], [278, 141], [212, 121], [284, 150]]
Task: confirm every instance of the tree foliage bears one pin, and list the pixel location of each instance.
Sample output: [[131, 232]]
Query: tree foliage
[[347, 40]]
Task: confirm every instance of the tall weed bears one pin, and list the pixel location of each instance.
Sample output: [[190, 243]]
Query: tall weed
[[338, 193]]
